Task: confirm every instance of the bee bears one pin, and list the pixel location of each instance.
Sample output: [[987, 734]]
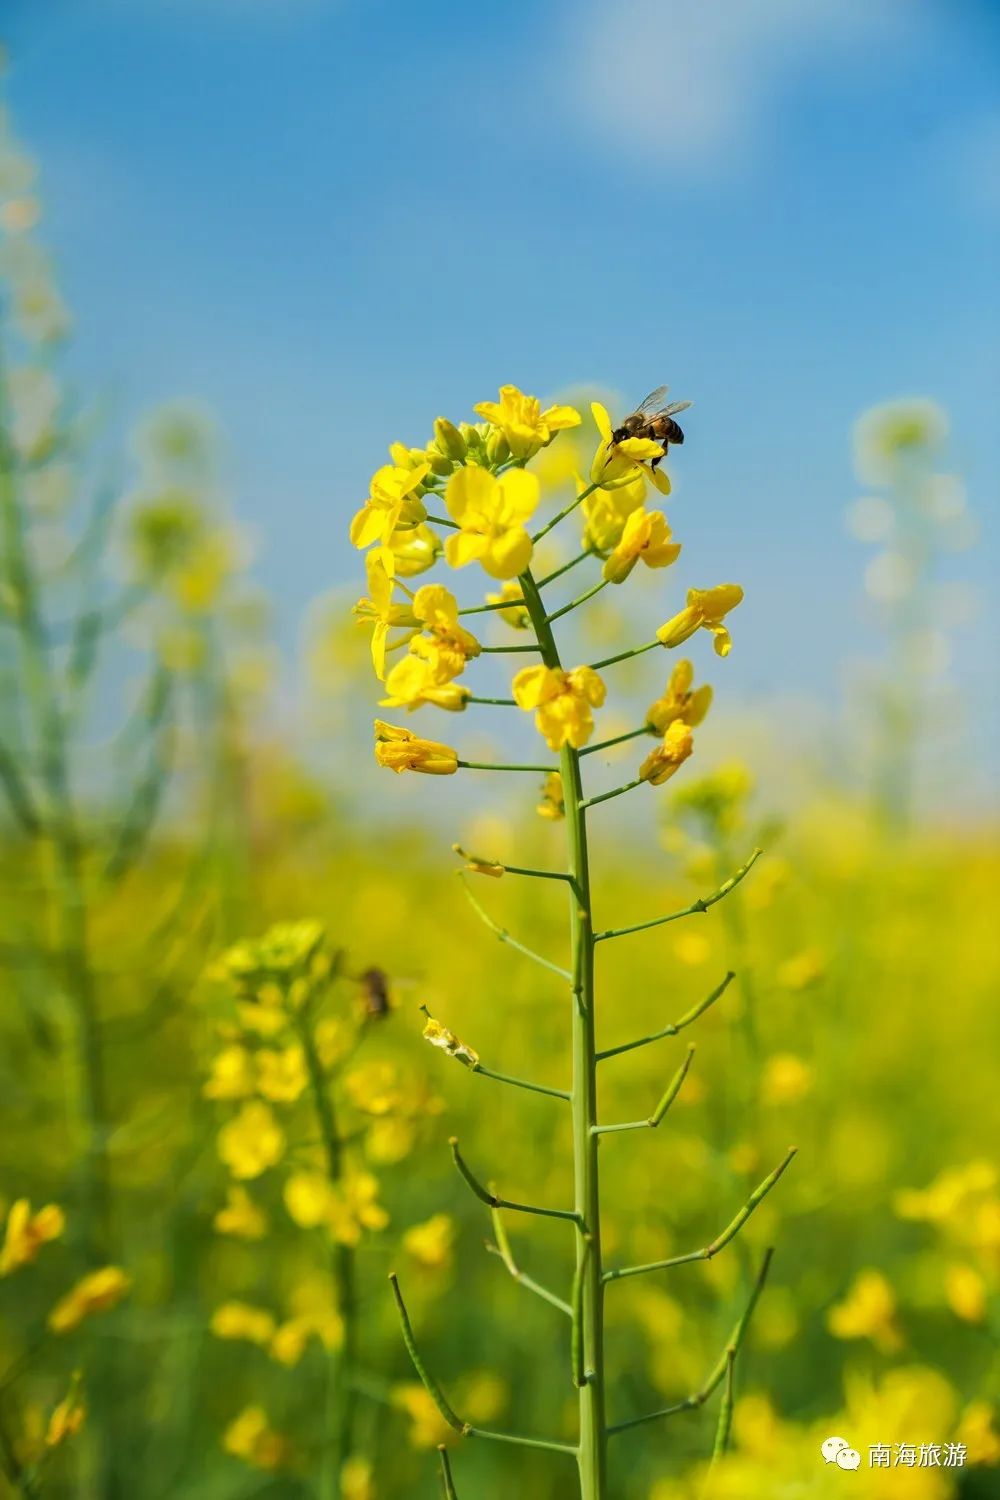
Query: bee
[[652, 420], [375, 1000]]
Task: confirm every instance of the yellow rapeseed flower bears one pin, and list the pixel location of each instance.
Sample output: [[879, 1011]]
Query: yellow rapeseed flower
[[627, 462], [232, 1075], [786, 1079], [705, 609], [354, 1207], [680, 701], [491, 513], [667, 758], [374, 1088], [516, 616], [868, 1311], [239, 1320], [417, 680], [523, 423], [399, 750], [646, 536], [251, 1437], [606, 511], [385, 615], [357, 1482], [252, 1141], [281, 1073], [96, 1292], [394, 502], [68, 1416], [240, 1216], [307, 1198], [26, 1233], [965, 1292], [431, 1244], [562, 702]]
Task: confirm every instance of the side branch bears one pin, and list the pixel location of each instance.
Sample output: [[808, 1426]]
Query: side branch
[[606, 797], [557, 614], [669, 1095], [720, 1369], [505, 937], [496, 867], [567, 510], [619, 739], [719, 1243], [492, 1201], [701, 905], [675, 1026], [430, 1384], [502, 1249], [447, 1482]]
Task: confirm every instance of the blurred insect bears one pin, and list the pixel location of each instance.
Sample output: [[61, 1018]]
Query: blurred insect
[[375, 999], [654, 421]]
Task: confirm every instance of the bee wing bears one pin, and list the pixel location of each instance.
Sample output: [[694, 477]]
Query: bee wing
[[652, 401], [674, 408]]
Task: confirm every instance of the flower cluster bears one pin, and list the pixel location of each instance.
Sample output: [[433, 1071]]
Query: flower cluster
[[486, 498]]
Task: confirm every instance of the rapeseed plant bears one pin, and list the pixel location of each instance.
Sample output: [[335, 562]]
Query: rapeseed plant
[[471, 481]]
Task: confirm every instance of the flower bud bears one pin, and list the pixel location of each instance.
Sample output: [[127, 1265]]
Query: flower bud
[[440, 462], [449, 439], [497, 447]]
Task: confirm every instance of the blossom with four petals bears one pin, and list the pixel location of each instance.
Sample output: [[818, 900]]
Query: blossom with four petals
[[562, 701], [646, 535], [523, 423], [622, 463], [680, 703], [491, 511]]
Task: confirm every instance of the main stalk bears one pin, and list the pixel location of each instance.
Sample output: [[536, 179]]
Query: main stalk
[[588, 1302]]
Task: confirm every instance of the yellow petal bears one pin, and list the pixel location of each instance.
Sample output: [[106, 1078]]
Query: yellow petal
[[558, 418], [602, 420], [533, 685], [520, 492], [464, 547], [469, 489], [508, 554], [660, 480]]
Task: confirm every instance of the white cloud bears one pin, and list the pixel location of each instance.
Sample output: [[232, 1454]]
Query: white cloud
[[691, 81]]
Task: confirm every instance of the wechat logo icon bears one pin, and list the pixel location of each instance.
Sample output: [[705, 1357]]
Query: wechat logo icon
[[837, 1450]]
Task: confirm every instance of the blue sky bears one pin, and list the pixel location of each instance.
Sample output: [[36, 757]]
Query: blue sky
[[331, 222]]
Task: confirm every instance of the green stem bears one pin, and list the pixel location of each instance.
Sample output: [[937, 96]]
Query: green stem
[[520, 1083], [580, 599], [495, 702], [489, 765], [718, 1371], [701, 905], [619, 791], [721, 1240], [610, 661], [493, 1201], [561, 515], [669, 1095], [503, 1250], [619, 739], [675, 1026], [447, 1482], [341, 1387], [504, 935], [589, 1299], [558, 572]]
